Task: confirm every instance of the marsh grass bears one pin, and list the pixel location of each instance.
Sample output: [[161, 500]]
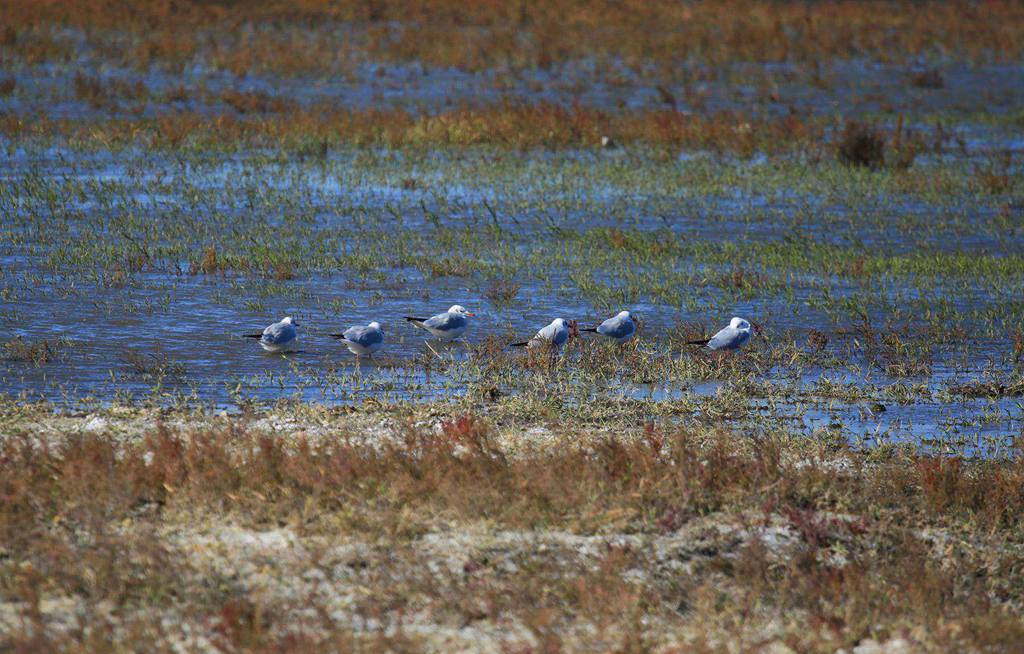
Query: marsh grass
[[208, 265], [845, 546], [311, 131], [996, 175], [861, 145], [636, 38], [106, 93], [312, 149], [593, 500], [931, 79], [248, 102], [871, 146], [35, 352], [502, 292], [1011, 388], [153, 364]]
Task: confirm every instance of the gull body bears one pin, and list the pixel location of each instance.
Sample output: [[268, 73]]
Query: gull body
[[554, 335], [732, 337], [279, 337], [362, 341], [619, 328], [445, 326]]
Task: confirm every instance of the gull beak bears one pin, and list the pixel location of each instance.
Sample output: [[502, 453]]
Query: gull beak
[[470, 313]]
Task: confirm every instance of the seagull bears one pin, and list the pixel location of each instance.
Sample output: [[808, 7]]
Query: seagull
[[445, 326], [732, 337], [554, 335], [362, 340], [619, 328], [279, 337]]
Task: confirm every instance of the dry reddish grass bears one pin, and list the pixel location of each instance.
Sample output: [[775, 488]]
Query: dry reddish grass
[[88, 515], [255, 102], [301, 37], [508, 125]]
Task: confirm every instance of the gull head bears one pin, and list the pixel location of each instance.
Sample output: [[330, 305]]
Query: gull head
[[375, 325], [461, 310], [288, 321], [739, 323], [625, 314]]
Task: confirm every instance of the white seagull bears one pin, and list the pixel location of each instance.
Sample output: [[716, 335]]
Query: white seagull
[[279, 337], [732, 337], [362, 341], [445, 326], [619, 328], [554, 335]]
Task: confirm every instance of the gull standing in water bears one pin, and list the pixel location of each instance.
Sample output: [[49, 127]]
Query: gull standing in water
[[619, 328], [362, 341], [732, 337], [445, 326], [554, 335], [279, 337]]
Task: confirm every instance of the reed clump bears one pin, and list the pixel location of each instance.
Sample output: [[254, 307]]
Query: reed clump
[[861, 144], [870, 145], [35, 352]]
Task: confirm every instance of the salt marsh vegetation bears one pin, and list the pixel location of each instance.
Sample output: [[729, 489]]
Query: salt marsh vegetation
[[846, 175]]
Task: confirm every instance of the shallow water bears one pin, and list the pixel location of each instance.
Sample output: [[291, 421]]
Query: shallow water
[[772, 89], [102, 250], [162, 332]]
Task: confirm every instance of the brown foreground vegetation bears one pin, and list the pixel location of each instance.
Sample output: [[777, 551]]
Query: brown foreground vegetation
[[400, 530], [317, 36], [508, 125], [312, 132]]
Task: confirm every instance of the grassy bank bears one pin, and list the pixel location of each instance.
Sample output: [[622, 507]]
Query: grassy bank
[[432, 529]]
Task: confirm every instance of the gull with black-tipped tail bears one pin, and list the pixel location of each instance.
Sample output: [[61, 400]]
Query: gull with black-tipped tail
[[554, 336], [732, 337], [619, 328], [279, 337], [445, 326], [362, 341]]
